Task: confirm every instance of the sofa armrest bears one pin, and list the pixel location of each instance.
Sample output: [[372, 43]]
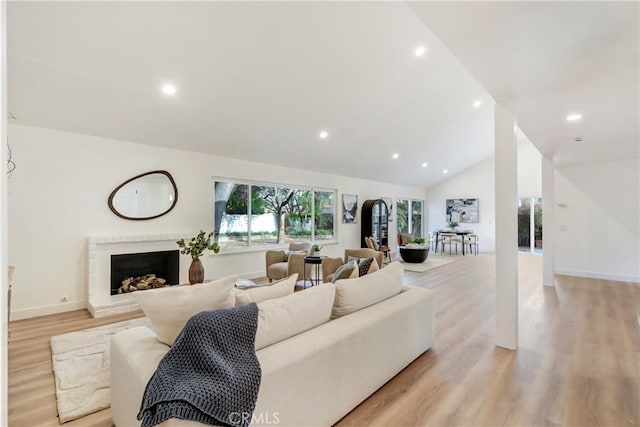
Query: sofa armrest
[[135, 354]]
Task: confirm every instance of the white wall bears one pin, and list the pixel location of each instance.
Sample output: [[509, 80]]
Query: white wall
[[474, 182], [598, 220], [58, 198], [478, 182], [529, 169]]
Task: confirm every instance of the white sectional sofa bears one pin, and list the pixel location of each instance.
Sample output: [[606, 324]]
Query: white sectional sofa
[[311, 379]]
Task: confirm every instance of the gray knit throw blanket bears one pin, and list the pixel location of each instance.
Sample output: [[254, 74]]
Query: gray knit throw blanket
[[211, 374]]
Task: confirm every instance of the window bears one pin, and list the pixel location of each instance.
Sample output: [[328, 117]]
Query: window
[[410, 216], [247, 214], [324, 204]]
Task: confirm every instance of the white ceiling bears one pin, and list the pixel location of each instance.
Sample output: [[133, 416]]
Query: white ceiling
[[256, 81], [259, 80], [545, 60]]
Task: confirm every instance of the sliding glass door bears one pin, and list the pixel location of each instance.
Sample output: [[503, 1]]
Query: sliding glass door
[[409, 216], [530, 224]]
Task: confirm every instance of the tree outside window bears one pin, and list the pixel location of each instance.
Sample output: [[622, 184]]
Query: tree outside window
[[409, 216], [249, 215]]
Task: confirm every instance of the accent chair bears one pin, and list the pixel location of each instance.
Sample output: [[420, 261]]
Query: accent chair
[[281, 263]]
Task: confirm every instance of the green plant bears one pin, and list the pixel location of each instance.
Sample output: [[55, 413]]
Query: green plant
[[419, 240], [453, 224], [197, 245], [315, 248]]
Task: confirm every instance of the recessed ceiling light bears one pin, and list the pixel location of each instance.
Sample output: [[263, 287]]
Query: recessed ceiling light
[[420, 51], [446, 171], [395, 155], [425, 164], [168, 89], [323, 134], [574, 117], [477, 104]]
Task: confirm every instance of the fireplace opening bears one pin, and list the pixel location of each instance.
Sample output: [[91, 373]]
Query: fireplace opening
[[148, 267]]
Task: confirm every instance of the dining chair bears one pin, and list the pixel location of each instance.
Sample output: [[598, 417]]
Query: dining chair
[[432, 240], [449, 239], [472, 240]]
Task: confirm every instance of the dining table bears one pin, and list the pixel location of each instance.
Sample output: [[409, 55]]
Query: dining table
[[458, 232]]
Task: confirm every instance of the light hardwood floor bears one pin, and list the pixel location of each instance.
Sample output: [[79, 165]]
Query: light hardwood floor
[[578, 363]]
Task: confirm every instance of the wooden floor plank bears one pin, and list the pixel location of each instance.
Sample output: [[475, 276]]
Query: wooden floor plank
[[578, 362]]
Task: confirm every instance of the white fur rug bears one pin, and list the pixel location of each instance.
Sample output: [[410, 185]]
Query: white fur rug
[[82, 368], [432, 261]]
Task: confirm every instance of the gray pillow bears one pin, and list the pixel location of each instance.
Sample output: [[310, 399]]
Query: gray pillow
[[344, 271], [286, 255]]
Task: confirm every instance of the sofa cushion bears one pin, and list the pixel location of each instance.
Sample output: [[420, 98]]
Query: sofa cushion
[[276, 290], [168, 309], [354, 294], [281, 318], [345, 271]]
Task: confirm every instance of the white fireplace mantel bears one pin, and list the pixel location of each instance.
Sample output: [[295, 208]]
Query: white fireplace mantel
[[100, 249]]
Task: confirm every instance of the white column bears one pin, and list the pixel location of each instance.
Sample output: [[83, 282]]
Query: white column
[[548, 228], [3, 215], [506, 185]]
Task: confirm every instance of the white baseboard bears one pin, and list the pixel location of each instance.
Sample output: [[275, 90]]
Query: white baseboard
[[27, 313], [594, 275]]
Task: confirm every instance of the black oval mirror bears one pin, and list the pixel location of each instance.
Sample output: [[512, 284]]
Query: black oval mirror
[[146, 196]]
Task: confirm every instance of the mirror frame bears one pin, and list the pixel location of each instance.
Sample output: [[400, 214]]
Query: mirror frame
[[173, 205]]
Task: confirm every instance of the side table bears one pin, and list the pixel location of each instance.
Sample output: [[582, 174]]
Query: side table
[[312, 260]]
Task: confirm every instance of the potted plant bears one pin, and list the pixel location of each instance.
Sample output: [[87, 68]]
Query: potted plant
[[453, 225], [416, 243], [420, 241], [196, 247], [315, 250]]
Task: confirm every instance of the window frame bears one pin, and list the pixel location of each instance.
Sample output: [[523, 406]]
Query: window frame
[[410, 214], [277, 185]]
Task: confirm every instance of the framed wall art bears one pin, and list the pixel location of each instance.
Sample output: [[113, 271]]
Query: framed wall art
[[349, 208], [462, 210]]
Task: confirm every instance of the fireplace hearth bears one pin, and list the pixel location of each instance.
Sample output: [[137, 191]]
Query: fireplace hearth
[[151, 269], [101, 301]]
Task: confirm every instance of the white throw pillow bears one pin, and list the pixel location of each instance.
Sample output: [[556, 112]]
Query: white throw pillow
[[354, 294], [168, 309], [281, 318], [276, 290]]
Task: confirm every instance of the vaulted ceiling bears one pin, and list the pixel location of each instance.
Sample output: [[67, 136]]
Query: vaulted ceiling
[[546, 60], [261, 80]]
